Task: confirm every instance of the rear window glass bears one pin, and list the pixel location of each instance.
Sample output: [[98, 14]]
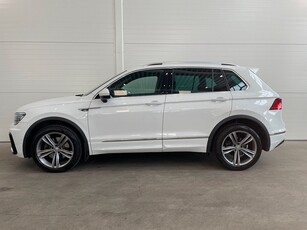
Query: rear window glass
[[198, 80]]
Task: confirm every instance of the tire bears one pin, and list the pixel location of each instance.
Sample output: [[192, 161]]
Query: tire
[[238, 147], [56, 148]]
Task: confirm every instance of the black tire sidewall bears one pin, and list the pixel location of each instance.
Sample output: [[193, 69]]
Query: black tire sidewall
[[218, 146], [68, 132]]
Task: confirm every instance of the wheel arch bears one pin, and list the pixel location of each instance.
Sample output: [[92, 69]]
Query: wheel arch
[[51, 121], [252, 122]]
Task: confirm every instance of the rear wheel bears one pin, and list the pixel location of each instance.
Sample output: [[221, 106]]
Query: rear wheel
[[238, 147], [56, 148]]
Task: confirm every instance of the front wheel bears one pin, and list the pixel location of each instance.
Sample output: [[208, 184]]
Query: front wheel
[[238, 147], [56, 148]]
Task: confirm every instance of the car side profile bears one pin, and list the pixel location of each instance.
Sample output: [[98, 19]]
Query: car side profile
[[225, 109]]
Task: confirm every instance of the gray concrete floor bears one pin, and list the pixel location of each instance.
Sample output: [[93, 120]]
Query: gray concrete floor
[[157, 191]]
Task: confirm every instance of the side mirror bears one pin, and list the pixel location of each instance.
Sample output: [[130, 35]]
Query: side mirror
[[104, 95]]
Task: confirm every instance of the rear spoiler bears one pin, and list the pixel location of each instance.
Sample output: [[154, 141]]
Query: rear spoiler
[[254, 70]]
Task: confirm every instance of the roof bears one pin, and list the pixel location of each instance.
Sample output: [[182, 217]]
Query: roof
[[213, 65]]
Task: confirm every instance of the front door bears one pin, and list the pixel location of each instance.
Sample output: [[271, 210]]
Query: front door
[[131, 120], [199, 99]]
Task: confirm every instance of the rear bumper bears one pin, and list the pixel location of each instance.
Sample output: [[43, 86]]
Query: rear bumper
[[277, 139]]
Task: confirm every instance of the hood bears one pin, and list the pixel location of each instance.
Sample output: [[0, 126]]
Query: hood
[[54, 101]]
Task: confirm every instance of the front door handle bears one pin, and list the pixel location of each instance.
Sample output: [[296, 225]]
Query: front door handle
[[219, 99], [154, 103]]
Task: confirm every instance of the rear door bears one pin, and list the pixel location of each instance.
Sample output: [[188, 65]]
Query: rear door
[[198, 100]]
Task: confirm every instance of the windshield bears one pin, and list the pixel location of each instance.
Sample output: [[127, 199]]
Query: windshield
[[102, 84]]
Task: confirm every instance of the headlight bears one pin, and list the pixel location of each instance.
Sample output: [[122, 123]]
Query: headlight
[[18, 117]]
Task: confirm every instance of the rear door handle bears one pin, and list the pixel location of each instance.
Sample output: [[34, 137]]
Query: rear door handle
[[219, 99], [154, 103]]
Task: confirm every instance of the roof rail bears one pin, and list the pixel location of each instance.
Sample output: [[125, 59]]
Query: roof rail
[[230, 64], [157, 63]]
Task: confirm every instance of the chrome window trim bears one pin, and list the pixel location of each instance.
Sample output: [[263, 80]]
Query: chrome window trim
[[158, 67]]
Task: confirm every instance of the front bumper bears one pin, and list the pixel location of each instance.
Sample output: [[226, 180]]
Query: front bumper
[[16, 135], [13, 147]]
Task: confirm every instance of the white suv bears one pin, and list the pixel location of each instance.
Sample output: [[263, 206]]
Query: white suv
[[162, 107]]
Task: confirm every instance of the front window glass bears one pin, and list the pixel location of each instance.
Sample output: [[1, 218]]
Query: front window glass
[[138, 84]]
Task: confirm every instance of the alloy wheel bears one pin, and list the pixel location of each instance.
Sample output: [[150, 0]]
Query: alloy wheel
[[54, 150], [239, 148]]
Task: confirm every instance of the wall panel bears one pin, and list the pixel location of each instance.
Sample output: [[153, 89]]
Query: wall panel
[[270, 35], [52, 48]]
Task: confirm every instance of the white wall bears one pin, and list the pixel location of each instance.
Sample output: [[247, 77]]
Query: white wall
[[268, 34], [51, 48]]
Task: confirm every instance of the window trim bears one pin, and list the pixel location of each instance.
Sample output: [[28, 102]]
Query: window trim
[[227, 85]]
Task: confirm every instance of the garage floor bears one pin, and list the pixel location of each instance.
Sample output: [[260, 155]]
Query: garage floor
[[157, 191]]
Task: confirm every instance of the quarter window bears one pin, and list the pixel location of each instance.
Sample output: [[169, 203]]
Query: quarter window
[[234, 81], [138, 84]]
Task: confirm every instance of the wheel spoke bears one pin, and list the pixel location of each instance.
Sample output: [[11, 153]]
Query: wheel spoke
[[47, 139], [65, 153], [228, 149], [44, 153], [53, 161], [56, 161], [62, 141], [246, 153], [249, 151], [233, 137], [236, 158], [247, 140]]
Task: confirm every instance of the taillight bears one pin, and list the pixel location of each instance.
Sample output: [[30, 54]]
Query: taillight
[[277, 104]]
